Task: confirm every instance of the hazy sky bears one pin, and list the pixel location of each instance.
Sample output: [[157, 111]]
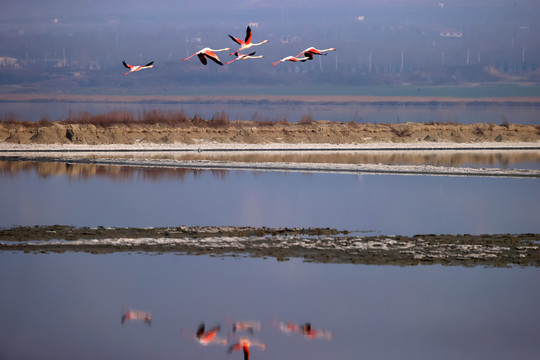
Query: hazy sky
[[21, 10], [109, 31]]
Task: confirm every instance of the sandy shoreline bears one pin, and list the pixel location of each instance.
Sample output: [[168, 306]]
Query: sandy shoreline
[[321, 245]]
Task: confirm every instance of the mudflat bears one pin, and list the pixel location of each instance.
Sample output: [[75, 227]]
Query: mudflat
[[324, 245]]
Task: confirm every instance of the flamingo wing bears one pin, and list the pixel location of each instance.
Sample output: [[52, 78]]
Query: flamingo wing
[[214, 58], [150, 63], [248, 35], [236, 40], [126, 65], [253, 53], [200, 331], [202, 58]]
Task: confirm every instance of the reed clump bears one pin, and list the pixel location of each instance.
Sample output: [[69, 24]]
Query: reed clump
[[172, 119]]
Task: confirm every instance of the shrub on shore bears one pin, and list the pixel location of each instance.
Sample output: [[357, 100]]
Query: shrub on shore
[[151, 117]]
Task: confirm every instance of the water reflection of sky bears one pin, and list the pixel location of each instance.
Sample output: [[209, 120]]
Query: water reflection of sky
[[405, 205], [520, 159], [69, 306], [361, 113]]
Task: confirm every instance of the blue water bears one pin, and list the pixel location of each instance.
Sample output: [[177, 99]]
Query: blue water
[[33, 111], [62, 306], [384, 204]]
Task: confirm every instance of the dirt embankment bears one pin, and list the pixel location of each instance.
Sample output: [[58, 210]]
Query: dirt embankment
[[248, 132]]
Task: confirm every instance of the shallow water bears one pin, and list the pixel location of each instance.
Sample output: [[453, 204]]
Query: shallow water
[[33, 111], [70, 306], [515, 159], [90, 195]]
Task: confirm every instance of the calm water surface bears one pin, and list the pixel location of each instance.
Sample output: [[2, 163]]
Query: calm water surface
[[33, 111], [70, 305], [64, 306], [516, 159], [56, 193]]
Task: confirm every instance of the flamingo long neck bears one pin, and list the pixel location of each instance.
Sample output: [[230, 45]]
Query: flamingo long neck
[[257, 44], [189, 57], [331, 49], [225, 49]]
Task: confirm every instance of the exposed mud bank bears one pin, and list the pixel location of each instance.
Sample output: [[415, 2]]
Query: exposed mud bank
[[322, 245]]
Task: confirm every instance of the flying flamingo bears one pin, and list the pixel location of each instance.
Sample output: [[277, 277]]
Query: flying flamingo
[[309, 52], [244, 344], [291, 58], [245, 56], [133, 68], [207, 53], [246, 44], [249, 326]]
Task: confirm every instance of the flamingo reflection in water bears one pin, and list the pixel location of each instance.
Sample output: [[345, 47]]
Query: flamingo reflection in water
[[244, 344], [246, 325], [136, 315], [306, 330], [206, 338]]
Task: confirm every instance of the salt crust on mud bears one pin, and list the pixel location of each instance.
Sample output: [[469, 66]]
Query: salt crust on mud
[[82, 154], [417, 249], [311, 244], [214, 146]]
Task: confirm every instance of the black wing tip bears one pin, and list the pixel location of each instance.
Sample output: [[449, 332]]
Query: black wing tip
[[126, 65], [248, 34], [234, 39], [150, 63]]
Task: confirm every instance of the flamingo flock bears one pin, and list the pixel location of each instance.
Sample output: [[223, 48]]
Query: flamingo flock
[[208, 53]]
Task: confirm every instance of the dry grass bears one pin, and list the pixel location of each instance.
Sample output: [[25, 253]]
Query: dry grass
[[114, 118], [505, 122], [306, 120]]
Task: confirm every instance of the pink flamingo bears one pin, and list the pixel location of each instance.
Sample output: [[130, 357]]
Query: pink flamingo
[[310, 51], [133, 68], [246, 44], [244, 344], [207, 53], [291, 58], [244, 57]]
